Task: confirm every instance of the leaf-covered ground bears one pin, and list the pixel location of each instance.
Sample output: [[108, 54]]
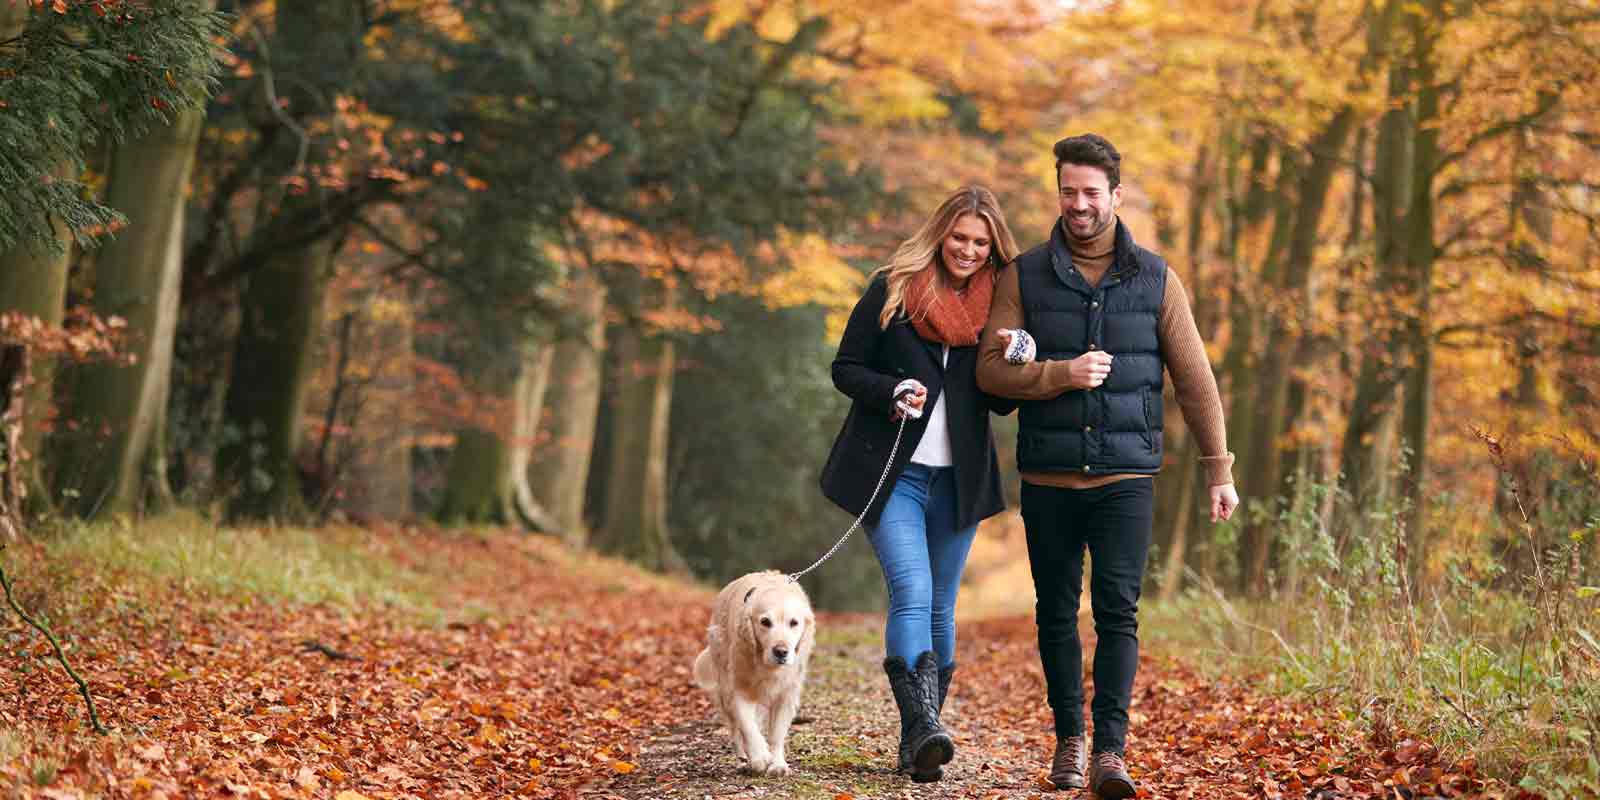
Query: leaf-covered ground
[[558, 675]]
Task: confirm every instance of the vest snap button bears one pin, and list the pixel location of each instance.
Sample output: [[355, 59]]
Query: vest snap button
[[1088, 428], [1085, 467], [1094, 304]]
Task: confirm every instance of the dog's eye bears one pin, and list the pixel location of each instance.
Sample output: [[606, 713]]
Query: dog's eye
[[765, 622], [794, 623]]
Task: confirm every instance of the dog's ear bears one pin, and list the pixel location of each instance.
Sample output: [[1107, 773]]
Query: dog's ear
[[809, 636], [747, 629]]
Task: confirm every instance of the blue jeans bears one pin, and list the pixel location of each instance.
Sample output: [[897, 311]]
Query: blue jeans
[[922, 556]]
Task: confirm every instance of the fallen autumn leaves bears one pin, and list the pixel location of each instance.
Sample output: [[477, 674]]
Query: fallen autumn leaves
[[549, 680]]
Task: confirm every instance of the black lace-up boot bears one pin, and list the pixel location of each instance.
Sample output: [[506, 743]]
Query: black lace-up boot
[[924, 745]]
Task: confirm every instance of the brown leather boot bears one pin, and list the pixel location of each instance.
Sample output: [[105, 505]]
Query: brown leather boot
[[1108, 776], [1071, 761]]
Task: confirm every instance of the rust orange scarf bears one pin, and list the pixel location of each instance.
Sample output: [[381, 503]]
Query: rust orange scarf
[[946, 316]]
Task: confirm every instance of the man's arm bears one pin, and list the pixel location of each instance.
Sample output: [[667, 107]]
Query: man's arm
[[1184, 354], [1035, 380]]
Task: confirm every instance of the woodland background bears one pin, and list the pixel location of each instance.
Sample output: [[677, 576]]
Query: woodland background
[[580, 266]]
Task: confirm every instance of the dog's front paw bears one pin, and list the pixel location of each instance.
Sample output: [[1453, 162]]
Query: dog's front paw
[[758, 763], [777, 768]]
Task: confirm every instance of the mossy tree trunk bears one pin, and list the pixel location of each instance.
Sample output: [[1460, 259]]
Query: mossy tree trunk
[[635, 524], [281, 313], [119, 407], [559, 475]]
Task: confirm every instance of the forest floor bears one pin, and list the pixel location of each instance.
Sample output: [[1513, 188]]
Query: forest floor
[[550, 673]]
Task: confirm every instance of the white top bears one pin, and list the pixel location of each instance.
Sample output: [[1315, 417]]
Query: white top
[[934, 449]]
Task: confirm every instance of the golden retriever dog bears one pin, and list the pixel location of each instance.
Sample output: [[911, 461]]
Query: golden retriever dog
[[754, 664]]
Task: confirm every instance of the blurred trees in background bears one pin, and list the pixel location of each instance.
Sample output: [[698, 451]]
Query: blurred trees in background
[[579, 266]]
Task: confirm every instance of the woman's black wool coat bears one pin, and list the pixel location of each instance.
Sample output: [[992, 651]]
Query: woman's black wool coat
[[870, 363]]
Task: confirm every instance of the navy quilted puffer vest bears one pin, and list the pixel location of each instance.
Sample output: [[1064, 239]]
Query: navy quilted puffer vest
[[1116, 427]]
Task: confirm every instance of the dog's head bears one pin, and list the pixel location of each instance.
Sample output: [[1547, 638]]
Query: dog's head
[[777, 623]]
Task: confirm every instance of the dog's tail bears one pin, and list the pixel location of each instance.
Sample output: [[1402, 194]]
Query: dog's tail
[[705, 673]]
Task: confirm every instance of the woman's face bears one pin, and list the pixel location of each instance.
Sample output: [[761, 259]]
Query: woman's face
[[965, 248]]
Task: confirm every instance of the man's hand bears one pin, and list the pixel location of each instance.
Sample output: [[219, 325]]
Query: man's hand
[[1089, 370], [1223, 501]]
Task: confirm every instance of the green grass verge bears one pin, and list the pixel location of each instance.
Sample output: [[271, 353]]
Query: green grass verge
[[184, 552], [1457, 674]]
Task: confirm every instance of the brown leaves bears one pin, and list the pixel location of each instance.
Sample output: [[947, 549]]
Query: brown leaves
[[518, 702], [580, 663]]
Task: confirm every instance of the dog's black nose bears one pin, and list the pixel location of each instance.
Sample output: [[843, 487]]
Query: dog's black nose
[[780, 654]]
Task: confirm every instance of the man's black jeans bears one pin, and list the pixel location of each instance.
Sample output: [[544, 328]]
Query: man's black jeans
[[1113, 522]]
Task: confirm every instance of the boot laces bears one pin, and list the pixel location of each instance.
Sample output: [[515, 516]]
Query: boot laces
[[1108, 761]]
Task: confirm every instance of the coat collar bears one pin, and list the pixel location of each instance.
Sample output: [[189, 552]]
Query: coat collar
[[1124, 262]]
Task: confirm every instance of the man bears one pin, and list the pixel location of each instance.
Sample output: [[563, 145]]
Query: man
[[1106, 317]]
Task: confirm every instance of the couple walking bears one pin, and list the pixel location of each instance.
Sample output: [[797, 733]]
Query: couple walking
[[1075, 334]]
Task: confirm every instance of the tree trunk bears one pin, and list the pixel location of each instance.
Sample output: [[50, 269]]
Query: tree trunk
[[1421, 252], [33, 282], [136, 276], [373, 464], [1176, 555], [559, 475], [281, 314], [1175, 498], [529, 404], [636, 492], [1246, 389], [1383, 367], [282, 304], [1287, 346], [475, 489]]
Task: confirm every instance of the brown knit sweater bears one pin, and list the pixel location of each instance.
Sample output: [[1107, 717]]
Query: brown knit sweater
[[1182, 351]]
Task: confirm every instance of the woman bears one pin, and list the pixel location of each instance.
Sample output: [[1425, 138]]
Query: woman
[[910, 349]]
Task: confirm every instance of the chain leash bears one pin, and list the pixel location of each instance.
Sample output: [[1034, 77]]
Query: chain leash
[[793, 577]]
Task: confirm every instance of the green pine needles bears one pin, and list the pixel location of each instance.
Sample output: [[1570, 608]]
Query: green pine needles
[[67, 79]]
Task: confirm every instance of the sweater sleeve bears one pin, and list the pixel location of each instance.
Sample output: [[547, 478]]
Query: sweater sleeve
[[1192, 381], [1035, 380]]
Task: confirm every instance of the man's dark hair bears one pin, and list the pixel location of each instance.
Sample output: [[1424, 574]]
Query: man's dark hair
[[1090, 150]]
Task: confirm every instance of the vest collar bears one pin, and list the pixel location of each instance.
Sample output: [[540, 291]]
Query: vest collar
[[1124, 261]]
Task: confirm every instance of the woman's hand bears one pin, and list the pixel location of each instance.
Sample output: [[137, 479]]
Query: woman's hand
[[1020, 348], [910, 396]]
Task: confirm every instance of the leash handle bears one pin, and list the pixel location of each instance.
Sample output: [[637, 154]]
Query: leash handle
[[794, 577]]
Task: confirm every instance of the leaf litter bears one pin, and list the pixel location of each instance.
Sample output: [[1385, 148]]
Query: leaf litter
[[560, 675]]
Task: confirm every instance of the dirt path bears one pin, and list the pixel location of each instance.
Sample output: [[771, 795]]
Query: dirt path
[[559, 675], [1189, 738]]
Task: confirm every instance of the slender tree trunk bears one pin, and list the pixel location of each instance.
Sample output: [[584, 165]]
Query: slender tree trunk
[[559, 475], [1176, 555], [1421, 252], [529, 398], [636, 492], [1243, 364], [118, 407], [1176, 497], [1383, 362]]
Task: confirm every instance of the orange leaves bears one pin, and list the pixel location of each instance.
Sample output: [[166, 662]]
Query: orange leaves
[[83, 336]]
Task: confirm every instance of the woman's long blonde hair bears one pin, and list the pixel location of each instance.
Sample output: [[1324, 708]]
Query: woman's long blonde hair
[[921, 251]]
